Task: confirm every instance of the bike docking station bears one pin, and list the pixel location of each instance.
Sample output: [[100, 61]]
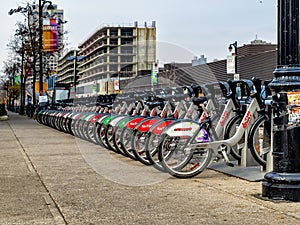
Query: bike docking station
[[282, 178], [246, 167]]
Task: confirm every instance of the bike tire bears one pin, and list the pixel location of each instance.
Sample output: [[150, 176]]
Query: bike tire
[[230, 130], [109, 133], [126, 142], [152, 147], [96, 133], [116, 140], [139, 140], [117, 134], [259, 139], [181, 161]]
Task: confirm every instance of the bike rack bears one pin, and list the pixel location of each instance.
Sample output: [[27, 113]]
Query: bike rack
[[247, 168]]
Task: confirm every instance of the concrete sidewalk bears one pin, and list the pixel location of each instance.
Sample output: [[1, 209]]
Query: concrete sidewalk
[[49, 177]]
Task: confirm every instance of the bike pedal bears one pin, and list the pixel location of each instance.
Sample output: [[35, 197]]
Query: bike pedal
[[229, 164]]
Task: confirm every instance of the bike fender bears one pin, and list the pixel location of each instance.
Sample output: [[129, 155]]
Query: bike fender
[[99, 120], [95, 118], [186, 128], [159, 128], [115, 120], [107, 119], [132, 123], [144, 126], [123, 122], [88, 118]]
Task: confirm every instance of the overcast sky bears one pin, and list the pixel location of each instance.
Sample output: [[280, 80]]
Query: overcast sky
[[185, 28]]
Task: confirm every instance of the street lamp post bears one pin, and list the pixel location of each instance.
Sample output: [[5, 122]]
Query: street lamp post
[[75, 71], [234, 47], [40, 49], [283, 182], [22, 77]]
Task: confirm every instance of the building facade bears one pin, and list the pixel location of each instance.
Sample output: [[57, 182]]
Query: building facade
[[257, 59], [115, 53], [67, 68]]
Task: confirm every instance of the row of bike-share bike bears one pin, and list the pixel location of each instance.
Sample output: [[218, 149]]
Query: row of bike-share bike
[[178, 130]]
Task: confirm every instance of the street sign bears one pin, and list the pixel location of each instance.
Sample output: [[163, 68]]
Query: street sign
[[117, 85], [43, 98], [154, 73], [236, 76]]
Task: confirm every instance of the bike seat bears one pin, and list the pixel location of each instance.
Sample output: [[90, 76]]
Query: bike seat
[[200, 100], [154, 104], [226, 91]]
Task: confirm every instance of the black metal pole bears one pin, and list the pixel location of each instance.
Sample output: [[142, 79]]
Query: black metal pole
[[40, 47], [75, 71], [236, 55], [284, 181], [22, 77]]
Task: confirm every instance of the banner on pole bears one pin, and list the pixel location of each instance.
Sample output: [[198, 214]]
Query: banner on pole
[[117, 85], [37, 87], [50, 35], [231, 64]]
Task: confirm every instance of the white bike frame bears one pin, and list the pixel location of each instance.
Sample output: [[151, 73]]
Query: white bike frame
[[192, 129], [244, 125]]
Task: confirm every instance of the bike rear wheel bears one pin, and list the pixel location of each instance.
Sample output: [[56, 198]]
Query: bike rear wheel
[[126, 142], [109, 134], [182, 160], [152, 147], [139, 147]]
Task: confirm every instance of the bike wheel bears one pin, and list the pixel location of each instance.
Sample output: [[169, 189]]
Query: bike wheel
[[79, 129], [230, 130], [97, 133], [126, 142], [109, 133], [116, 138], [90, 132], [96, 130], [139, 147], [85, 134], [154, 140], [259, 139], [182, 160], [74, 127], [69, 125], [152, 146], [102, 132]]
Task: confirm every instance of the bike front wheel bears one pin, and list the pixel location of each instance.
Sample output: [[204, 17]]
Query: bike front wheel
[[230, 131], [259, 139]]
